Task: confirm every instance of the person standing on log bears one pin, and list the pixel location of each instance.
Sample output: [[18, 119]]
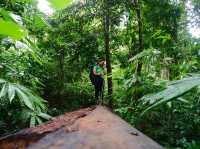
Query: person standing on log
[[97, 79]]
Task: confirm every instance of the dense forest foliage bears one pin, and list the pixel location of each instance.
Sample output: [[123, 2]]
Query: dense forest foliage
[[153, 64]]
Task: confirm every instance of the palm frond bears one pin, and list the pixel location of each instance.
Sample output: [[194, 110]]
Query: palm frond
[[145, 53], [174, 89], [35, 105], [11, 92]]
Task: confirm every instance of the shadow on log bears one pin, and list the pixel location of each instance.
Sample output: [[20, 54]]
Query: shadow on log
[[90, 128]]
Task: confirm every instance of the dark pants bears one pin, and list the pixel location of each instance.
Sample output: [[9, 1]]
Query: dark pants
[[98, 85]]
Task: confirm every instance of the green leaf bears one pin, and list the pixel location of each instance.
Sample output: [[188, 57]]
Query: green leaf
[[157, 33], [2, 81], [26, 1], [183, 100], [6, 15], [45, 116], [24, 98], [59, 4], [37, 101], [3, 90], [11, 29], [169, 104], [32, 121], [32, 52], [175, 89], [40, 22], [34, 103], [40, 103], [39, 121], [143, 54], [11, 92]]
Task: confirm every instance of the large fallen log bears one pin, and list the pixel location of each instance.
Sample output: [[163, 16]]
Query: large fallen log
[[90, 128]]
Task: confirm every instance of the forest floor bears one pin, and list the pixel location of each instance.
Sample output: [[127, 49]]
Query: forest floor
[[89, 128]]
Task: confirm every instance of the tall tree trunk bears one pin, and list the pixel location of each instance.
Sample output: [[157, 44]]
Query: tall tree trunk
[[107, 50], [140, 33], [60, 71], [136, 5]]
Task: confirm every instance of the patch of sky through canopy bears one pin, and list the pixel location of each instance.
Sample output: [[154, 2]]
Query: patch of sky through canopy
[[193, 28], [44, 6]]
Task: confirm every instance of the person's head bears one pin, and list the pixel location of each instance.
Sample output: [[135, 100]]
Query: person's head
[[101, 62]]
